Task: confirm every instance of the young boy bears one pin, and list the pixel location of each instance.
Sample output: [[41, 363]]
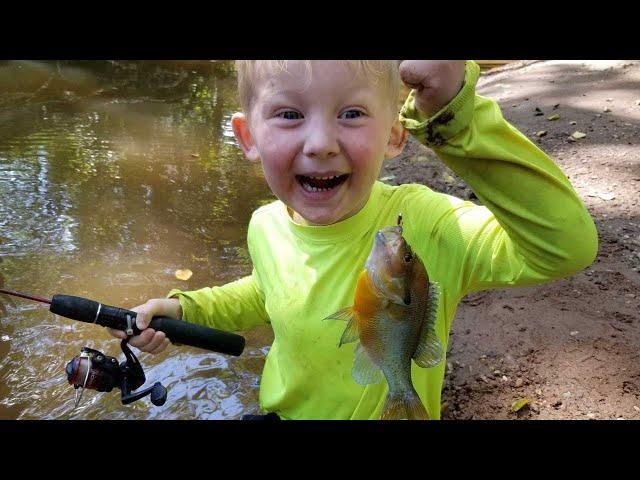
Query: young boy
[[321, 130]]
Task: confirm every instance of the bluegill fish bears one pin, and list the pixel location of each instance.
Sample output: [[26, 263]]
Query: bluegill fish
[[392, 319]]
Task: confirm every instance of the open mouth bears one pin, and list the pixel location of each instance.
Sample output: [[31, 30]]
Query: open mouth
[[321, 184]]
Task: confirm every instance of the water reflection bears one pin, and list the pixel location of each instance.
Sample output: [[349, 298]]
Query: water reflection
[[112, 176]]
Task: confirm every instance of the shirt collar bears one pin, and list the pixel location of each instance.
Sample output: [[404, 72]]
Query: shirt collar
[[350, 228]]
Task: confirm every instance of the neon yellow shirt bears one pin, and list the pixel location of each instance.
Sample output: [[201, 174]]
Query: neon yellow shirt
[[531, 229]]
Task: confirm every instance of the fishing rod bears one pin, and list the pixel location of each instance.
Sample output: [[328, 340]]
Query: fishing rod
[[94, 370]]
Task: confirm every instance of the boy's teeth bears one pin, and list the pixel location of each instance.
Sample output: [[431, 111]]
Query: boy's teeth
[[325, 178], [319, 183], [309, 188]]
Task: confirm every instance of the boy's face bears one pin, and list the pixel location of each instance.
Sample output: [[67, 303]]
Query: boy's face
[[321, 143]]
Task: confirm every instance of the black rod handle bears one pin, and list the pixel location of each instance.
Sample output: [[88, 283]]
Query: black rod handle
[[178, 331], [199, 336]]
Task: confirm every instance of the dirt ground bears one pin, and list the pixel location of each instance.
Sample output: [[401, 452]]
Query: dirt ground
[[570, 346]]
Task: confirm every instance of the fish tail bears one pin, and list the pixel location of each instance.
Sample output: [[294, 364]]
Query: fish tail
[[404, 405]]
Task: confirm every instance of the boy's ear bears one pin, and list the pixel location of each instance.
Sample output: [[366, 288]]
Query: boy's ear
[[397, 140], [240, 126]]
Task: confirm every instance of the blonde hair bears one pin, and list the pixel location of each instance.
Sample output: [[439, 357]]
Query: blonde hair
[[250, 71]]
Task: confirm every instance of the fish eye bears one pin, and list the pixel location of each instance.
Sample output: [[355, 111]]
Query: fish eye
[[408, 257]]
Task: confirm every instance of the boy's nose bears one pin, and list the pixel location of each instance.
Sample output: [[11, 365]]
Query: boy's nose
[[322, 141]]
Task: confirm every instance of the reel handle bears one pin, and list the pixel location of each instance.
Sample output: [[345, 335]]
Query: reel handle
[[157, 391]]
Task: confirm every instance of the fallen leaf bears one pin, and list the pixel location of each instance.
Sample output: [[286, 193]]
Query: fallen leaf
[[183, 274], [448, 178], [578, 134], [554, 117], [603, 196], [541, 133], [519, 404]]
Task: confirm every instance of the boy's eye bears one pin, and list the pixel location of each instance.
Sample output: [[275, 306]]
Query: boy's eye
[[290, 115], [349, 114]]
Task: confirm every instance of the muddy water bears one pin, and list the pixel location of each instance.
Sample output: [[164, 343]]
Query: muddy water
[[112, 177]]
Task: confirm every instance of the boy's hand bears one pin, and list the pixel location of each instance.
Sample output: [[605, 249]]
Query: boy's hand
[[150, 340], [436, 82]]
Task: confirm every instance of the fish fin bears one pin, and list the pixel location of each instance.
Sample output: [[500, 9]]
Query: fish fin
[[350, 333], [345, 314], [364, 371], [433, 299], [430, 351], [404, 405]]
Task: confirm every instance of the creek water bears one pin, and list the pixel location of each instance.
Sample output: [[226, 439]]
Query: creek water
[[113, 175]]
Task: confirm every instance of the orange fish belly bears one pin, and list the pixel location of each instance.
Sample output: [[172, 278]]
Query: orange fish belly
[[367, 305]]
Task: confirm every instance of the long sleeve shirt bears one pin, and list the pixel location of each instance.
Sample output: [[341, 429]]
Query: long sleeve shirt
[[531, 228]]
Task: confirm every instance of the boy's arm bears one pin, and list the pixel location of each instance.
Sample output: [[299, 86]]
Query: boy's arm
[[533, 226], [236, 306]]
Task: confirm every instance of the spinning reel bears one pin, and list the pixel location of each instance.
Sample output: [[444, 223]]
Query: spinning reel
[[94, 370]]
